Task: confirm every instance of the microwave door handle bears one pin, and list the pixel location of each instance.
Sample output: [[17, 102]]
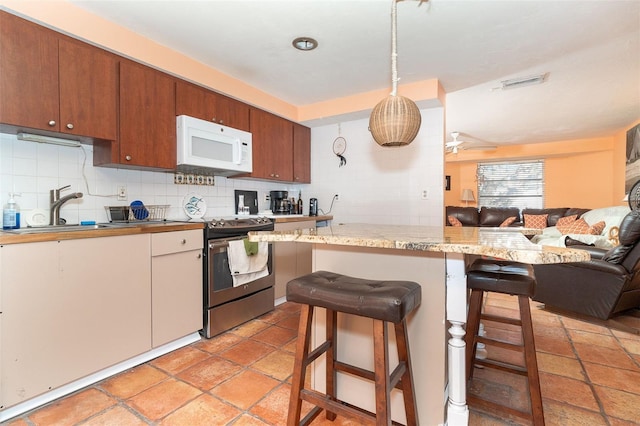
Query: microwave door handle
[[238, 151]]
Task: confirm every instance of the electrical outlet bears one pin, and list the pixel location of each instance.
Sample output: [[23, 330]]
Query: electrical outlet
[[122, 192]]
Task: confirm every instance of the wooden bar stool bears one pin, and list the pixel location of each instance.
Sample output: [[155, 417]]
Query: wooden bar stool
[[383, 301], [500, 276]]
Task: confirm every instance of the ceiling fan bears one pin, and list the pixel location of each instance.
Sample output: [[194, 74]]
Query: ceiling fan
[[455, 145]]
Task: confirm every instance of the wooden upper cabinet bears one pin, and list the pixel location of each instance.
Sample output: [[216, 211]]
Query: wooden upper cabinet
[[301, 154], [207, 105], [272, 146], [147, 117], [28, 74], [53, 83], [88, 91]]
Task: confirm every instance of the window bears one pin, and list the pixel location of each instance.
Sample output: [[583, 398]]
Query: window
[[514, 184]]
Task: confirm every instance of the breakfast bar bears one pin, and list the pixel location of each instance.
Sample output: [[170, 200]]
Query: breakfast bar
[[435, 258]]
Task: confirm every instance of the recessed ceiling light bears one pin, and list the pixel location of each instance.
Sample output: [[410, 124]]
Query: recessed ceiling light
[[305, 43]]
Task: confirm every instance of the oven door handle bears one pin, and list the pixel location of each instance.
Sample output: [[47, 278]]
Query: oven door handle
[[219, 244]]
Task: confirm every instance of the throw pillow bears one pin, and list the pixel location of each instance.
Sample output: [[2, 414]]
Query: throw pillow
[[580, 226], [536, 221], [597, 228], [508, 221], [454, 221], [566, 220]]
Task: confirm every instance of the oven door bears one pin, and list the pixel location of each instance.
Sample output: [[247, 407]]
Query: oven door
[[220, 287]]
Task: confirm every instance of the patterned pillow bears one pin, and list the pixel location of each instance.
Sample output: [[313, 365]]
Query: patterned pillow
[[535, 221], [508, 221], [566, 220], [580, 226], [454, 221]]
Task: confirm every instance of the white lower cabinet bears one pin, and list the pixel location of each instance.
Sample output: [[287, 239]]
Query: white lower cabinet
[[176, 285], [291, 259], [70, 308]]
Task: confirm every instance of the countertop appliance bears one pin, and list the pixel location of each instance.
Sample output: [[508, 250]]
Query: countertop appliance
[[206, 147], [313, 207], [280, 203], [226, 306]]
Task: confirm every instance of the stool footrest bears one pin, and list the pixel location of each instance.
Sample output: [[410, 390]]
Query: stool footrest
[[492, 407], [316, 353], [503, 366], [500, 343], [338, 407], [503, 320], [394, 378], [311, 416]]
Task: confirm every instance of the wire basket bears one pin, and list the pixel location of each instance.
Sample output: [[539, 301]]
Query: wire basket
[[139, 213]]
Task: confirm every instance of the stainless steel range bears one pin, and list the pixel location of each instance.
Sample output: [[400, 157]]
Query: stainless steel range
[[226, 305]]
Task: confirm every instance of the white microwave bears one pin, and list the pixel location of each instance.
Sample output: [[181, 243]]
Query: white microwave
[[207, 147]]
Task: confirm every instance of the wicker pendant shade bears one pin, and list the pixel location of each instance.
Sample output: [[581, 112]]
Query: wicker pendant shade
[[395, 121]]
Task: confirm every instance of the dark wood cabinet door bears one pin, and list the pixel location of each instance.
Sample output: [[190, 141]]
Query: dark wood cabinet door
[[147, 117], [88, 88], [272, 146], [232, 113], [211, 106], [28, 74], [301, 153]]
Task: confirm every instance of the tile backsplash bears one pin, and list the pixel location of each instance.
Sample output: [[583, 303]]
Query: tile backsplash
[[32, 169]]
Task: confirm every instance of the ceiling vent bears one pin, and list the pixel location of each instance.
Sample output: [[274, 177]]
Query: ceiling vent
[[523, 81]]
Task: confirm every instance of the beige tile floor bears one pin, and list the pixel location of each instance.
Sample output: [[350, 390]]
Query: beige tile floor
[[590, 375]]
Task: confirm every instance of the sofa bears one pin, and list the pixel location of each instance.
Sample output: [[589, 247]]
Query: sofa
[[495, 216], [600, 288]]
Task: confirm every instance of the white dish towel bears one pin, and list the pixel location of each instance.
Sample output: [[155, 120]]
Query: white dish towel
[[245, 269]]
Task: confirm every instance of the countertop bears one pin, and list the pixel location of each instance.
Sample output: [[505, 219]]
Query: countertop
[[503, 243], [127, 229], [90, 232]]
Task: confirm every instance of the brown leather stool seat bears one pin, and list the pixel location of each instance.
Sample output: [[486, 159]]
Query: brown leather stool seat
[[382, 301], [502, 276]]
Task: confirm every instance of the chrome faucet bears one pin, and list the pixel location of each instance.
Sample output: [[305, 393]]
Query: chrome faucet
[[57, 202]]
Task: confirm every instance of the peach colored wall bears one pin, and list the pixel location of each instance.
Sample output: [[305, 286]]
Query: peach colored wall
[[586, 173]]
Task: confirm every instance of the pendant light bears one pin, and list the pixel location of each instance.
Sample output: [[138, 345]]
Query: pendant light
[[395, 121]]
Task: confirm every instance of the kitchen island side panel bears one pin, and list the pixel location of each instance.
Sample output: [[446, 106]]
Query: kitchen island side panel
[[427, 331]]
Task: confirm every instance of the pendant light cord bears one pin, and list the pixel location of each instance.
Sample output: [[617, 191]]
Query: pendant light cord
[[394, 50]]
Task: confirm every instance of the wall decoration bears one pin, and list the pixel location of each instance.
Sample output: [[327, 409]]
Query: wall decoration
[[632, 169], [447, 183]]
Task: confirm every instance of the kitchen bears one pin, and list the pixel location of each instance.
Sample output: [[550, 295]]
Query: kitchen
[[397, 186], [33, 169]]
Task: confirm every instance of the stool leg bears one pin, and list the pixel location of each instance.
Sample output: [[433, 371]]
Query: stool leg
[[300, 364], [381, 373], [473, 325], [331, 354], [531, 362], [408, 391]]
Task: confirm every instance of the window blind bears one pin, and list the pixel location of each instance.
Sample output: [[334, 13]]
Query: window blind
[[511, 184]]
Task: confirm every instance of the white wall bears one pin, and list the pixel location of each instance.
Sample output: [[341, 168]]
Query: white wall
[[378, 185]]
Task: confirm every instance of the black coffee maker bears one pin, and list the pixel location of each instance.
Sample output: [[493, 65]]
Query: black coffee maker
[[279, 202]]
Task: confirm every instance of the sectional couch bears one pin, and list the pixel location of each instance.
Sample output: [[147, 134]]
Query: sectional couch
[[495, 216]]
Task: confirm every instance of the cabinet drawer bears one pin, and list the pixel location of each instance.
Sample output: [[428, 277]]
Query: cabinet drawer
[[175, 242]]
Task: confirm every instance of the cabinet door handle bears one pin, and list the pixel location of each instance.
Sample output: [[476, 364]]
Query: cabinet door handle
[[52, 123], [221, 121], [69, 126], [199, 256], [183, 241], [127, 157]]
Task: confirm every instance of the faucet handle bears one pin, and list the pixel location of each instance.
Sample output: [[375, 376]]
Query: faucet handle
[[64, 187]]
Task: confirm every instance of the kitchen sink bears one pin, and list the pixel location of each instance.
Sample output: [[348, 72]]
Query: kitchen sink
[[57, 228]]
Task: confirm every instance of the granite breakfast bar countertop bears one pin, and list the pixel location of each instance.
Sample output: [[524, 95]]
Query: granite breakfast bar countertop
[[503, 243], [435, 258]]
